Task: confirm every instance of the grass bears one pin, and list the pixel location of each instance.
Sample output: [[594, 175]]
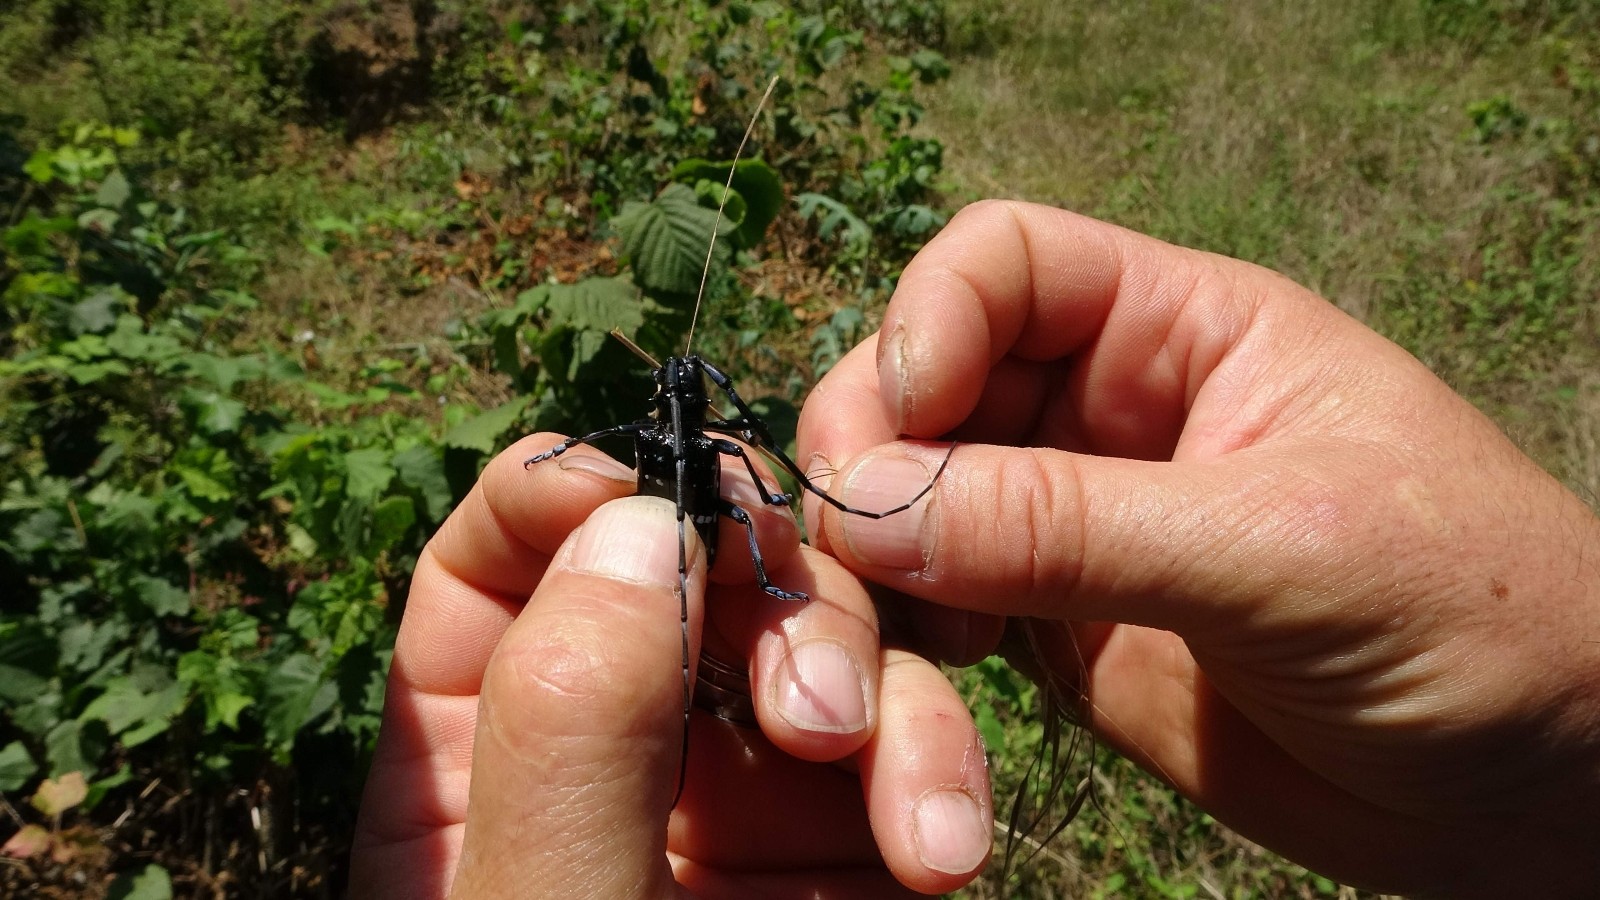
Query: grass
[[1428, 166]]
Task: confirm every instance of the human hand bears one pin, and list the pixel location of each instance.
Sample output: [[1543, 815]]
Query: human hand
[[1353, 621], [530, 747]]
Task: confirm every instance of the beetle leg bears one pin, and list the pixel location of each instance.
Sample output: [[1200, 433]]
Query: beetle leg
[[738, 514], [569, 443], [729, 448]]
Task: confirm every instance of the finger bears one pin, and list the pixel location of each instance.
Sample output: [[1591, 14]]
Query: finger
[[777, 534], [927, 780], [518, 512], [469, 584], [1012, 279], [576, 758], [814, 671], [955, 637], [867, 883], [1008, 531], [748, 805]]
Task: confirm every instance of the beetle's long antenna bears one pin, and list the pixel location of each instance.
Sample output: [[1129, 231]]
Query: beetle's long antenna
[[637, 350], [727, 188]]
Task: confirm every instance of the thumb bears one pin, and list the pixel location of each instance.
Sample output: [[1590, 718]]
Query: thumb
[[1186, 547], [580, 721]]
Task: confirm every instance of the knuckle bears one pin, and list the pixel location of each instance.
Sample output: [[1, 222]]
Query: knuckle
[[571, 680]]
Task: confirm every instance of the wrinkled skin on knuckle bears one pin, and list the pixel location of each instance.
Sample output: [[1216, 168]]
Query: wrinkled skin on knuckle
[[1013, 509], [561, 686]]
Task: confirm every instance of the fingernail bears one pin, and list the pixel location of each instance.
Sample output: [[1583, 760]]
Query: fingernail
[[899, 541], [892, 377], [950, 832], [820, 471], [820, 689], [634, 539], [603, 466]]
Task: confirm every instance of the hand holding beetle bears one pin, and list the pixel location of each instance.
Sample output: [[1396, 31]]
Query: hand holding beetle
[[1350, 618], [534, 714]]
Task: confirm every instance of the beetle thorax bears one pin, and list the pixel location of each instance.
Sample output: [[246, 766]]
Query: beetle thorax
[[681, 382]]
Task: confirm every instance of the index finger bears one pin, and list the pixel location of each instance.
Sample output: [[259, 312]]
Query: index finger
[[1143, 321]]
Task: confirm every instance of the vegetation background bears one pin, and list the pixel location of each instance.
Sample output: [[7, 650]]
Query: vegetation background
[[278, 278]]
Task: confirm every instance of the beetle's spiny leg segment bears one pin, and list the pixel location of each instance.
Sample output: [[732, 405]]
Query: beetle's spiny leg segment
[[738, 514], [757, 435], [569, 443], [729, 448]]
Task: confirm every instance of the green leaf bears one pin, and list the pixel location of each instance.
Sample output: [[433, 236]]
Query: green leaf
[[40, 166], [98, 311], [710, 194], [758, 186], [28, 655], [422, 468], [835, 219], [16, 766], [218, 414], [391, 520], [134, 714], [596, 304], [367, 473], [666, 240], [114, 190], [297, 694], [99, 221], [160, 596], [994, 733], [151, 883], [63, 748], [482, 432]]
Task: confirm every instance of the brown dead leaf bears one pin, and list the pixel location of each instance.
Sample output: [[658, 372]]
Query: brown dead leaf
[[56, 796]]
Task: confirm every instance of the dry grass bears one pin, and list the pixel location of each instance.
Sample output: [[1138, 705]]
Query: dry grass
[[1333, 142]]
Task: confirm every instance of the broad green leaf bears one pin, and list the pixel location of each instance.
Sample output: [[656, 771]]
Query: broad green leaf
[[667, 239], [223, 372], [391, 520], [114, 190], [99, 310], [597, 304], [834, 219], [16, 766], [422, 468], [151, 883], [219, 414], [367, 473], [482, 432], [711, 196], [201, 484], [915, 221], [28, 656], [989, 727], [160, 596], [99, 221], [89, 373], [134, 714], [297, 693], [758, 186]]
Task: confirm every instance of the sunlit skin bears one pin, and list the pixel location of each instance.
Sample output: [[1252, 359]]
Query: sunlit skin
[[533, 721], [1351, 619]]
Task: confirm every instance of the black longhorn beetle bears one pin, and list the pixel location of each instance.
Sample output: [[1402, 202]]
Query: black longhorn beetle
[[677, 449]]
